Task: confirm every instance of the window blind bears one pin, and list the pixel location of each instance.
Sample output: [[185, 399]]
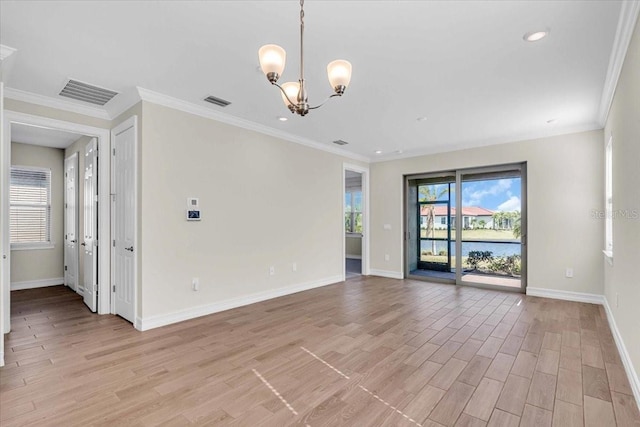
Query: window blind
[[30, 205]]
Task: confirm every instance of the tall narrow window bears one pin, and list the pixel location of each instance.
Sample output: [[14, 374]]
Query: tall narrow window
[[353, 211], [608, 230], [30, 207]]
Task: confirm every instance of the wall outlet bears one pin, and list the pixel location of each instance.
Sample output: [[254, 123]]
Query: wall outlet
[[569, 272], [272, 270], [387, 226], [387, 257], [294, 267], [195, 284]]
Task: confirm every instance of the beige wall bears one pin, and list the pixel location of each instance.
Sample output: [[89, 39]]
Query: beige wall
[[265, 202], [565, 184], [78, 147], [621, 278], [28, 265], [353, 245]]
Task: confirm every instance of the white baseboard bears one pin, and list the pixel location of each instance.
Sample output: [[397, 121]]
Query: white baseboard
[[624, 354], [565, 295], [632, 375], [385, 273], [353, 256], [144, 324], [42, 283], [1, 356]]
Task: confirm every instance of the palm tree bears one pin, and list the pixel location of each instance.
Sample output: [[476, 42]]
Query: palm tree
[[517, 230], [427, 193]]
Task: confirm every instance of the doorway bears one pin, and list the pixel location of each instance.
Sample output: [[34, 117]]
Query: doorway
[[355, 221], [479, 214], [12, 123]]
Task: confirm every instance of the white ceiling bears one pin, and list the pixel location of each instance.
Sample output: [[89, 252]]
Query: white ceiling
[[45, 137], [461, 64]]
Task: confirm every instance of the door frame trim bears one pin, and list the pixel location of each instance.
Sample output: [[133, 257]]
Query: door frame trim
[[457, 173], [104, 225], [131, 122], [366, 267], [74, 158]]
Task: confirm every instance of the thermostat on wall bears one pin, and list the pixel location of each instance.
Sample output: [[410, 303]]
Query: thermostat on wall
[[193, 211]]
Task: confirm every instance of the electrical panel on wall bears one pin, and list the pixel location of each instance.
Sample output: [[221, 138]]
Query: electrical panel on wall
[[193, 209]]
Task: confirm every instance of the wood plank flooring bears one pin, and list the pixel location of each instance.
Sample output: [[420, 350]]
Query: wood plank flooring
[[367, 352]]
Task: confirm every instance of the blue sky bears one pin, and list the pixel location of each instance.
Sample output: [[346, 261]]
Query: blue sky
[[496, 194]]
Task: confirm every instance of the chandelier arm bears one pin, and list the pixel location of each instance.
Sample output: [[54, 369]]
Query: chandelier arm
[[325, 101], [285, 95]]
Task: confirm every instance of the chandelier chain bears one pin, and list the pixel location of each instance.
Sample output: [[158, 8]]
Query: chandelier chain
[[301, 44]]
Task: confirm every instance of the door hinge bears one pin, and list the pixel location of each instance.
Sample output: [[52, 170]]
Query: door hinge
[[114, 288], [66, 205], [114, 151], [114, 243], [65, 268]]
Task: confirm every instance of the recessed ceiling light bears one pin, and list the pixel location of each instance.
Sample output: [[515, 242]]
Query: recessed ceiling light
[[421, 119], [551, 121], [282, 119], [534, 36], [378, 151]]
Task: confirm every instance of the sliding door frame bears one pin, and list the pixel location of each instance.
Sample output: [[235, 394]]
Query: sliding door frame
[[459, 173]]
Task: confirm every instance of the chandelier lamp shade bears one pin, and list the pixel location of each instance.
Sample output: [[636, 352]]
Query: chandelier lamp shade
[[294, 94]]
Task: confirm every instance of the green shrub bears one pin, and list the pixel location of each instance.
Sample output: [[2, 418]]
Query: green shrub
[[476, 257], [511, 264]]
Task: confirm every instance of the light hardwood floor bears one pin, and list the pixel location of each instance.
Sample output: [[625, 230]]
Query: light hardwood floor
[[368, 352]]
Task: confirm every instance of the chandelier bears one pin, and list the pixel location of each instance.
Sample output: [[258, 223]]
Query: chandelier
[[294, 94]]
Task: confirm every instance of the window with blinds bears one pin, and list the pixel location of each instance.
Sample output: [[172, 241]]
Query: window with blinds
[[30, 206]]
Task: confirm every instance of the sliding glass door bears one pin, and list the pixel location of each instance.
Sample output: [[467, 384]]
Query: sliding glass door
[[431, 202], [488, 230]]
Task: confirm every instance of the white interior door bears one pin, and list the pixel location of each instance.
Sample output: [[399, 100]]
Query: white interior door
[[71, 222], [90, 242], [124, 216]]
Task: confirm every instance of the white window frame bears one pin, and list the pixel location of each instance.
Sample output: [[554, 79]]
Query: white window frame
[[608, 201], [49, 244], [353, 212]]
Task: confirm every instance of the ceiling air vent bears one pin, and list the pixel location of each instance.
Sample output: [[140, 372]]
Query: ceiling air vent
[[217, 101], [87, 93], [340, 142]]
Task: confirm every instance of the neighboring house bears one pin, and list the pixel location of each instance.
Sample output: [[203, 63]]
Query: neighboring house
[[471, 217]]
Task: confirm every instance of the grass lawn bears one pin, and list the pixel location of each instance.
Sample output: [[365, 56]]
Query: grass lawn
[[479, 234]]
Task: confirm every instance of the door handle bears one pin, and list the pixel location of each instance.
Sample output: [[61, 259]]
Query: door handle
[[83, 244], [73, 241], [130, 249]]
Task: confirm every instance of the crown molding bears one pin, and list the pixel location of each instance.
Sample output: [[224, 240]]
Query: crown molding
[[487, 142], [122, 102], [188, 107], [130, 98], [6, 51], [46, 101], [626, 23]]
